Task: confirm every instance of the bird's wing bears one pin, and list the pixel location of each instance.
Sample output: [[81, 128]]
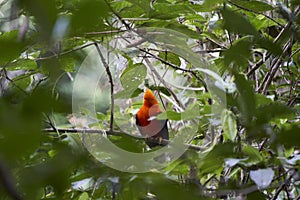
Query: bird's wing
[[164, 132]]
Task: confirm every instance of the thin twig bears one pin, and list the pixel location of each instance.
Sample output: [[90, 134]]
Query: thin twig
[[283, 185], [105, 32], [51, 123], [111, 123], [64, 53], [271, 76], [164, 83], [13, 82], [275, 67], [210, 51], [262, 60], [286, 47], [176, 67], [250, 10], [117, 15]]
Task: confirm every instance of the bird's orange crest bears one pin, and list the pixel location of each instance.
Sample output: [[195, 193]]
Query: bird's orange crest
[[149, 98]]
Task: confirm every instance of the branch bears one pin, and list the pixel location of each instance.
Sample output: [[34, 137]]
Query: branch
[[283, 185], [268, 79], [7, 181], [176, 67], [164, 83], [250, 10], [12, 81], [112, 101], [117, 133], [262, 60], [66, 52], [105, 32]]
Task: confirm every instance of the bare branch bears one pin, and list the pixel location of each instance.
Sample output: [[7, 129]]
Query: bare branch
[[268, 79], [262, 60], [111, 123], [164, 83], [117, 133], [66, 52], [12, 81], [105, 32], [283, 185], [176, 67]]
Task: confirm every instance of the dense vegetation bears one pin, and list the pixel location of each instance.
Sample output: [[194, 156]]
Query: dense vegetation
[[225, 71]]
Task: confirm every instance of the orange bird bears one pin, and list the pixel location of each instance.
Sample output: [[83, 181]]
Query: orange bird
[[147, 124]]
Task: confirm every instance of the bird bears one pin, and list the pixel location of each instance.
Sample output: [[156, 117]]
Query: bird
[[147, 123]]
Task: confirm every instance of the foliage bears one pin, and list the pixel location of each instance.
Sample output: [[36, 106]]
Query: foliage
[[241, 56]]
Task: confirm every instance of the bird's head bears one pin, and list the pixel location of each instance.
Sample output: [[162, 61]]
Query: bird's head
[[149, 98]]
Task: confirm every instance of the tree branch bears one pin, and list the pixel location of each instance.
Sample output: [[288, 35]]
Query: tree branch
[[250, 10], [112, 101], [176, 67], [7, 181], [164, 83], [105, 32], [262, 60], [283, 185], [65, 52], [117, 133]]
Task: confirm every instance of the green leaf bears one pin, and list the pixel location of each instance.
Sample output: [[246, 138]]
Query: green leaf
[[141, 4], [22, 81], [237, 23], [127, 10], [229, 125], [258, 6], [288, 137], [45, 13], [84, 196], [67, 62], [239, 52], [20, 123], [262, 100], [160, 89], [266, 113], [260, 22], [269, 45], [169, 11], [170, 57], [212, 3], [165, 188], [89, 16], [295, 2], [131, 93], [258, 195], [173, 25], [172, 115], [133, 76], [190, 113], [10, 47], [213, 161], [246, 98], [252, 153], [25, 64], [128, 143]]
